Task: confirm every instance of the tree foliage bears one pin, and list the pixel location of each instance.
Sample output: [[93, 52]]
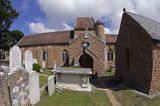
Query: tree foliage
[[7, 16], [10, 39]]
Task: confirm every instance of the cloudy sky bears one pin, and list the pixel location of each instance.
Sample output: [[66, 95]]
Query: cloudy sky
[[37, 16]]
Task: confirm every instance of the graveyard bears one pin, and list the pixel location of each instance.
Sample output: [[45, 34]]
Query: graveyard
[[28, 86], [79, 53]]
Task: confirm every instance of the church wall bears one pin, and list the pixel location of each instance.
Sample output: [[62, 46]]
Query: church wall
[[134, 55], [96, 51], [54, 53], [110, 64], [155, 83]]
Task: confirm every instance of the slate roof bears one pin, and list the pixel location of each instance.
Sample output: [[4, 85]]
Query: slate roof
[[85, 71], [111, 38], [151, 26], [84, 22], [62, 37]]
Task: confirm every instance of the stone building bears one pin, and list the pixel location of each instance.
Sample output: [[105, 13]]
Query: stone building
[[65, 47], [138, 53]]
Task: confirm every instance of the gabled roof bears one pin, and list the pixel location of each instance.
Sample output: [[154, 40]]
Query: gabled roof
[[84, 22], [111, 38], [151, 26], [61, 37]]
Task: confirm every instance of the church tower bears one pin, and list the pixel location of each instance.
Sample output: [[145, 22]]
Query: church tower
[[100, 30]]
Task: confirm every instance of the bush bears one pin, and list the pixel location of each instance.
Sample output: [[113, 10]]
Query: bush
[[36, 67]]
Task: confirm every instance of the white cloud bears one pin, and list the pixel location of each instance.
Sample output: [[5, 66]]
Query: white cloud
[[107, 31], [39, 28], [66, 26], [58, 11]]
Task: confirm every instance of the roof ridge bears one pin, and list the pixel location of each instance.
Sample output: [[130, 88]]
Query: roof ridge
[[151, 26], [49, 33], [141, 16]]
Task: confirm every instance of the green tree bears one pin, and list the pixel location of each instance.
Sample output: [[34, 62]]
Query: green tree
[[7, 16], [10, 39]]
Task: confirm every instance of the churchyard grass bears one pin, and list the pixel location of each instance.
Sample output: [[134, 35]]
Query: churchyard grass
[[47, 72], [73, 98], [130, 98], [107, 73], [43, 80]]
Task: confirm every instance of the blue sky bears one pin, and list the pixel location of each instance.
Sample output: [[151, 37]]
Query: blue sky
[[29, 11], [38, 16]]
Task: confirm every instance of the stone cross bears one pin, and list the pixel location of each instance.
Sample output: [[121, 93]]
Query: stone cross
[[28, 60], [15, 57]]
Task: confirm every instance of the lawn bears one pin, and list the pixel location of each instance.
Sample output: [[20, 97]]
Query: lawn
[[73, 98], [130, 98], [47, 72], [43, 80]]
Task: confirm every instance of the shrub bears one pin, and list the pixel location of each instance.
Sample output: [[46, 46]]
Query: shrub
[[36, 67]]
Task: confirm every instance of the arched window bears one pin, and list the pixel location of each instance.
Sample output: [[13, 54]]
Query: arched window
[[44, 55], [110, 55], [64, 55]]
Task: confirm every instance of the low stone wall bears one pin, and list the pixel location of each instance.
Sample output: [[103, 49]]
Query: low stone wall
[[4, 91]]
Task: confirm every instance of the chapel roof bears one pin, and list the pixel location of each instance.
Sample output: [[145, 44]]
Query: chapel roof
[[111, 38], [151, 26], [60, 37]]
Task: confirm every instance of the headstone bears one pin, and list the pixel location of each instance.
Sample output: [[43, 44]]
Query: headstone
[[43, 64], [55, 65], [34, 91], [28, 60], [19, 87], [15, 57], [35, 60], [51, 86]]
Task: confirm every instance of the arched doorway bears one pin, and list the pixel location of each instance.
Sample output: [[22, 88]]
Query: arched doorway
[[86, 61]]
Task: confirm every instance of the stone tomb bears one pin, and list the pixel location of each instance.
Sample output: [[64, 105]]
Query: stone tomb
[[51, 85], [73, 78], [15, 57], [28, 60]]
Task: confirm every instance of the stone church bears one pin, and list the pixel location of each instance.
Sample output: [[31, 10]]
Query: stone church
[[138, 53], [86, 46]]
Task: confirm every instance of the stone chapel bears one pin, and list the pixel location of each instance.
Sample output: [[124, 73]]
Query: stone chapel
[[86, 46]]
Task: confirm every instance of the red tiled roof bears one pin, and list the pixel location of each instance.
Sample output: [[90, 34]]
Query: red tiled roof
[[84, 22], [46, 38], [111, 38]]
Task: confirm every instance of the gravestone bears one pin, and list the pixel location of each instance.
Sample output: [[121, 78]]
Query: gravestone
[[43, 64], [51, 86], [28, 60], [34, 93], [35, 60], [18, 82], [55, 65], [15, 57]]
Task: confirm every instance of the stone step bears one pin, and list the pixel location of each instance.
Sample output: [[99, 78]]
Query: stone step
[[58, 88]]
